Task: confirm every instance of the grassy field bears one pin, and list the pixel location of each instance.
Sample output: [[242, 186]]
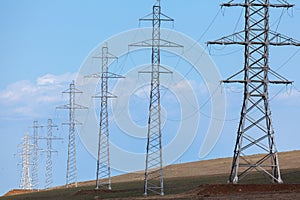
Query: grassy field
[[135, 188]]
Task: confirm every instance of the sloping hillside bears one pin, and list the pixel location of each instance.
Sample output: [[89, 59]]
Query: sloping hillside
[[179, 178], [287, 160]]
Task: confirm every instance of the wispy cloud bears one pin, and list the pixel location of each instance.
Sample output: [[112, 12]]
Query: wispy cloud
[[55, 80], [28, 99], [182, 88], [289, 97]]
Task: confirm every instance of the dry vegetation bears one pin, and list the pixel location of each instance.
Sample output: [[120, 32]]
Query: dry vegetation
[[197, 180]]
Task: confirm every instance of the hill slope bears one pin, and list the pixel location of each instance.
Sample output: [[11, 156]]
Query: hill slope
[[221, 166], [179, 178]]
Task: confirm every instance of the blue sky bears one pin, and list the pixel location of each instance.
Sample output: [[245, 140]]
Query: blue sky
[[44, 43]]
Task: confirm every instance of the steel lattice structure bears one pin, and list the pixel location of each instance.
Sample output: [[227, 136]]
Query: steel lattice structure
[[49, 151], [49, 179], [26, 181], [103, 178], [255, 132], [35, 158], [71, 175], [153, 182]]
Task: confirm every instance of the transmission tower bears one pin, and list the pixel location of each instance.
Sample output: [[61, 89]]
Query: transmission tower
[[153, 182], [49, 151], [25, 154], [35, 158], [103, 178], [71, 176], [255, 132]]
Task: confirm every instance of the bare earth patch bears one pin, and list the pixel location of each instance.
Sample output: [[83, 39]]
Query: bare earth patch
[[230, 191]]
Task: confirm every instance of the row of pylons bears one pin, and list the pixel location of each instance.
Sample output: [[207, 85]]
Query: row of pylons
[[255, 130]]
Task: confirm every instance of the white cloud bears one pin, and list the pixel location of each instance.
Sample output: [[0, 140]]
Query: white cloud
[[45, 80], [291, 94], [143, 92], [50, 79], [24, 111], [181, 85], [289, 97], [29, 99], [183, 88], [15, 91]]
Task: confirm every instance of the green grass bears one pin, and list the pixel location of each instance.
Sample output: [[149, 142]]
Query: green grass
[[135, 189], [288, 176]]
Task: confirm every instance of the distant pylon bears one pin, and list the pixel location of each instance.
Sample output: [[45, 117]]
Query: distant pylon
[[35, 157], [255, 132], [153, 182], [71, 175], [25, 182], [103, 173], [49, 151]]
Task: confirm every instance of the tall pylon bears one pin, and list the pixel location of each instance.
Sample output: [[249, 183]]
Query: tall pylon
[[153, 182], [103, 173], [71, 175], [26, 181], [255, 132]]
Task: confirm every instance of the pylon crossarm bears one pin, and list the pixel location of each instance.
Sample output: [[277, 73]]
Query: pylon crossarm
[[283, 5], [150, 18], [236, 38], [109, 96], [257, 81], [229, 80], [166, 43], [113, 75], [163, 43], [73, 90], [278, 39], [145, 43], [105, 74]]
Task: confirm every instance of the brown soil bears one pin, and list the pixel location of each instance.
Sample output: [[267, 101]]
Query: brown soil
[[240, 191], [18, 191], [247, 189]]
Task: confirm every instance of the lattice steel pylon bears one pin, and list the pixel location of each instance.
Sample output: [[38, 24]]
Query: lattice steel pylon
[[35, 157], [71, 175], [153, 182], [103, 174], [49, 151], [26, 181], [255, 132]]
